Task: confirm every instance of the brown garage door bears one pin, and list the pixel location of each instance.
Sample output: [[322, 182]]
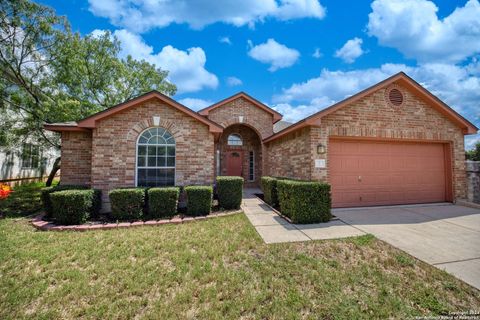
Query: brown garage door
[[365, 173]]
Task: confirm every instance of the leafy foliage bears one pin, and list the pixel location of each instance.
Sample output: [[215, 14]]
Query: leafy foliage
[[50, 74], [199, 200], [47, 191], [474, 154], [305, 201], [162, 202], [230, 192], [72, 206], [269, 189], [127, 204]]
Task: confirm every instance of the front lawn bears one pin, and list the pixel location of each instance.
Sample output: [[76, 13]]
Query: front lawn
[[214, 269], [23, 201]]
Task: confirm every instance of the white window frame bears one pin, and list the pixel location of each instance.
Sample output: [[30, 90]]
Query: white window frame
[[146, 167], [252, 167], [31, 148], [234, 145]]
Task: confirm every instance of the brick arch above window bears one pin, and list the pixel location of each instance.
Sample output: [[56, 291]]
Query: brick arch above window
[[144, 124]]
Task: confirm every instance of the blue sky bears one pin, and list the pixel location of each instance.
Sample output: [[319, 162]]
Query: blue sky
[[297, 56]]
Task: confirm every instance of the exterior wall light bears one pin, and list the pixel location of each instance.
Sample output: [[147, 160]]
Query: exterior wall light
[[321, 149]]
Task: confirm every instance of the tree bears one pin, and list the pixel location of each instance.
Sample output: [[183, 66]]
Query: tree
[[49, 74], [474, 154]]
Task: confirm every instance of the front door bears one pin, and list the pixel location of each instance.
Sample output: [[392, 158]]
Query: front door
[[234, 163]]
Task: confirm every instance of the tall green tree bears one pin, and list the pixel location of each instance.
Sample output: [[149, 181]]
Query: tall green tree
[[50, 74], [474, 154]]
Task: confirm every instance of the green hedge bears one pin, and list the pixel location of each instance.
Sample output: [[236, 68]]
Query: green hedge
[[199, 200], [128, 203], [304, 201], [269, 189], [230, 192], [162, 202], [72, 206], [45, 196]]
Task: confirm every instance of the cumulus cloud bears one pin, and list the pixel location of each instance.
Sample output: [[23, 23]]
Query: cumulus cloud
[[458, 86], [195, 103], [234, 81], [273, 53], [350, 51], [143, 15], [186, 68], [413, 28]]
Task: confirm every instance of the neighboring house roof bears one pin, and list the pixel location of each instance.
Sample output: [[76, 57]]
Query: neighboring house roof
[[91, 121], [280, 125], [400, 78], [276, 115]]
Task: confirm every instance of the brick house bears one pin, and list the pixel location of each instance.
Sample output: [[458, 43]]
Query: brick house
[[393, 143]]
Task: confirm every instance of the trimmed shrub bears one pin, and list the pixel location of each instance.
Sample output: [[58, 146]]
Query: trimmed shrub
[[305, 201], [269, 188], [45, 195], [128, 203], [162, 202], [71, 206], [199, 200], [230, 192]]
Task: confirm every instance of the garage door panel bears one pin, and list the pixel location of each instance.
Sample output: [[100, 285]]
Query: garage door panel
[[378, 173]]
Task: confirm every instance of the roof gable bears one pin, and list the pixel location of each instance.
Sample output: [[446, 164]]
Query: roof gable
[[91, 121], [276, 115], [402, 79]]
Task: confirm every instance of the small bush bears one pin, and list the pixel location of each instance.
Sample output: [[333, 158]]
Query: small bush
[[199, 200], [162, 202], [230, 192], [304, 201], [71, 206], [45, 195], [128, 203], [269, 189]]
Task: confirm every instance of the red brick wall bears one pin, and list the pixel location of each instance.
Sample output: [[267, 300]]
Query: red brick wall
[[76, 159], [253, 116], [373, 117], [114, 146], [251, 142], [290, 156]]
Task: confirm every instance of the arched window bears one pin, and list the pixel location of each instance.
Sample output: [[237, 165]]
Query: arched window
[[155, 158], [234, 140]]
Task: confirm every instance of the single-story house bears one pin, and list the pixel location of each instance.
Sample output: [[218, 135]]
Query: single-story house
[[393, 143]]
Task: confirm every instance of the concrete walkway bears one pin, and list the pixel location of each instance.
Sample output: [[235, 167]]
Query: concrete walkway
[[274, 229]]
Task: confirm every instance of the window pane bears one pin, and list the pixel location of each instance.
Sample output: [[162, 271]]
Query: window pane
[[141, 178], [141, 161], [153, 140], [161, 132], [171, 162], [147, 134], [161, 151], [151, 162], [170, 177], [152, 150], [160, 161], [170, 150], [142, 150], [234, 140]]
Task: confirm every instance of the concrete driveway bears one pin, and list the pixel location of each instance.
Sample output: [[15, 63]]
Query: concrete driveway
[[444, 235]]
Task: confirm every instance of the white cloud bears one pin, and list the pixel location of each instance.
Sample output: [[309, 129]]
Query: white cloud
[[350, 51], [414, 28], [143, 15], [186, 68], [458, 86], [225, 40], [195, 104], [234, 81], [317, 53], [273, 53]]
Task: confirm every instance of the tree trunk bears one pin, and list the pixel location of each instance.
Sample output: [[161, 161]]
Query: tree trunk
[[55, 168]]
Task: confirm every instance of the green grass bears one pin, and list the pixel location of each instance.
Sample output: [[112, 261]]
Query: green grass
[[213, 269], [24, 201]]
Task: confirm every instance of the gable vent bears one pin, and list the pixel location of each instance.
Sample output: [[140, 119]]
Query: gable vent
[[395, 97]]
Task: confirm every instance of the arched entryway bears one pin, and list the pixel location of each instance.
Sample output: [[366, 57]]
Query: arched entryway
[[239, 153]]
